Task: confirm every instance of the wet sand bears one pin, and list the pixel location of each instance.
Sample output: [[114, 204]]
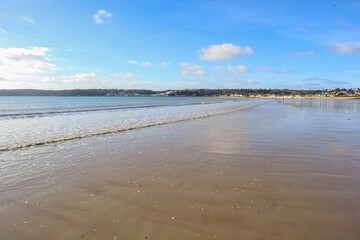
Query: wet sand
[[273, 171]]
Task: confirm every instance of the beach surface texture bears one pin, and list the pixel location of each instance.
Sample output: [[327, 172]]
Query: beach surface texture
[[267, 169]]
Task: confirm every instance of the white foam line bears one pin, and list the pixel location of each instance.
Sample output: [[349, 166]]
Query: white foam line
[[122, 129]]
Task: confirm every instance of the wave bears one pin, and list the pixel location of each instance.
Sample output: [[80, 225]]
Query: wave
[[117, 130], [34, 114], [43, 114]]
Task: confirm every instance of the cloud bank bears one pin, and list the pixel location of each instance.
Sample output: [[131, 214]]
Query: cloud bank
[[24, 65]]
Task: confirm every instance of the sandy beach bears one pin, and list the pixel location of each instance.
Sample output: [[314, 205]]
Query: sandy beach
[[273, 171]]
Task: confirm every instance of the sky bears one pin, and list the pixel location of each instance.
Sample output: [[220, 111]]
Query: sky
[[160, 45]]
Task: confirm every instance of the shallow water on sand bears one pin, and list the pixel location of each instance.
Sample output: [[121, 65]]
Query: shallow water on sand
[[28, 121], [279, 170]]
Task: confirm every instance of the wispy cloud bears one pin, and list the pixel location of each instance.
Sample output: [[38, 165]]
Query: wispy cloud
[[235, 80], [301, 54], [147, 64], [102, 16], [188, 66], [27, 19], [234, 69], [224, 52], [81, 78], [267, 69], [349, 25], [242, 81], [195, 79], [282, 85], [126, 75], [3, 30], [132, 62], [344, 48], [197, 73], [317, 80], [165, 64]]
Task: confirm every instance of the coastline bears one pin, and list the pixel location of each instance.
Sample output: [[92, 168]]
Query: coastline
[[292, 97], [329, 98]]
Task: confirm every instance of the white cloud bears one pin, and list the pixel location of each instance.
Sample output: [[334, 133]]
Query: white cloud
[[267, 69], [81, 78], [24, 65], [102, 16], [234, 69], [188, 66], [224, 52], [147, 64], [48, 79], [343, 48], [126, 75], [132, 62], [2, 30], [165, 64], [27, 19]]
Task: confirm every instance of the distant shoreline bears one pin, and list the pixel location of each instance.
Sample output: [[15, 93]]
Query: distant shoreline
[[234, 93], [280, 97], [329, 98]]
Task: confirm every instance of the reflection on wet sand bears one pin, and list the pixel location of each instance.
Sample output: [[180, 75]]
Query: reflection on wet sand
[[267, 172], [325, 104]]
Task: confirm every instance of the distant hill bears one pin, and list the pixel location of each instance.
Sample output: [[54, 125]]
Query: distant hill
[[187, 92]]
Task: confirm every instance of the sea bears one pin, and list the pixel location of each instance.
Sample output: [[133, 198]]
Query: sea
[[31, 121], [179, 168]]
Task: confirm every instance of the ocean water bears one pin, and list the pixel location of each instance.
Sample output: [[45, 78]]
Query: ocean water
[[28, 121], [279, 169]]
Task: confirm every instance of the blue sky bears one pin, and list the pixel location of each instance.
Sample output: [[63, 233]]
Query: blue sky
[[160, 45]]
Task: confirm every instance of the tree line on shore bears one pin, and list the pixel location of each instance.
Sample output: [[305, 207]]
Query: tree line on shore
[[185, 92]]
